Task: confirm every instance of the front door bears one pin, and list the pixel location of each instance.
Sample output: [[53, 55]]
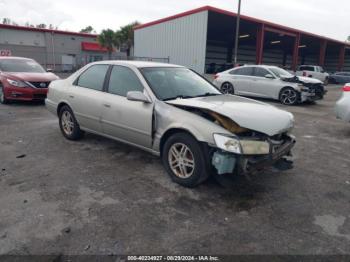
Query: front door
[[126, 120]]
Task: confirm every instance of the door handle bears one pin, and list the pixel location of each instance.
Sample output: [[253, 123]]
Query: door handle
[[107, 105], [71, 96]]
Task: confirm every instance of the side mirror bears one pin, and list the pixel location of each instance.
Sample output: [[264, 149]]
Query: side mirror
[[49, 70], [137, 96], [269, 76]]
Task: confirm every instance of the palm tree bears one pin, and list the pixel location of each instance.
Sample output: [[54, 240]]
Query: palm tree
[[108, 40], [125, 36]]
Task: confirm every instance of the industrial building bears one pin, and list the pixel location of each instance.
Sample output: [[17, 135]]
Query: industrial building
[[54, 49], [203, 39]]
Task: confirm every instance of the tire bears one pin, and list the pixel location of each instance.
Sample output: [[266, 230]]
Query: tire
[[289, 96], [3, 99], [227, 88], [185, 161], [68, 124]]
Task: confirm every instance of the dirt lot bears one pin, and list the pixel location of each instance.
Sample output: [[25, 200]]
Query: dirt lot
[[97, 196]]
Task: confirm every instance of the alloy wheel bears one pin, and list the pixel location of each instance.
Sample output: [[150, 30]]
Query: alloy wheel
[[67, 123], [289, 97], [181, 160], [227, 88]]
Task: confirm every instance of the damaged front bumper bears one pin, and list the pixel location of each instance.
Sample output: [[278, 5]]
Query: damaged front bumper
[[280, 152], [313, 92]]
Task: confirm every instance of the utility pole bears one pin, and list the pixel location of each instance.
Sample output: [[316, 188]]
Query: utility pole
[[237, 33]]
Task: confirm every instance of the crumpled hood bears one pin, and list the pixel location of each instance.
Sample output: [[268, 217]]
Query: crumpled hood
[[32, 77], [309, 80], [245, 112]]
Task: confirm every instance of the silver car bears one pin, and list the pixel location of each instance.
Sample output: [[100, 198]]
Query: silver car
[[174, 113], [269, 82], [342, 108]]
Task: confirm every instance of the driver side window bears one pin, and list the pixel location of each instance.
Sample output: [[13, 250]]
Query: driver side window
[[123, 80]]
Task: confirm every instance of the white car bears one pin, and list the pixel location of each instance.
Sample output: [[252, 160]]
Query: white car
[[269, 82], [342, 108], [313, 71]]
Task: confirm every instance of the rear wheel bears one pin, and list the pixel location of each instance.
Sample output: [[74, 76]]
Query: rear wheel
[[184, 160], [68, 124], [289, 96], [227, 88], [3, 99]]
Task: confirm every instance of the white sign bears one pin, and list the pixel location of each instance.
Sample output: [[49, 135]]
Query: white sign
[[5, 52]]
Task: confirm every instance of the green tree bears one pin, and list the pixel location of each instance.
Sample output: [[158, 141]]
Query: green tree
[[108, 39], [89, 29], [125, 36]]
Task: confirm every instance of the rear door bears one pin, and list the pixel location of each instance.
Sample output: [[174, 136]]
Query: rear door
[[125, 120], [242, 78], [85, 97]]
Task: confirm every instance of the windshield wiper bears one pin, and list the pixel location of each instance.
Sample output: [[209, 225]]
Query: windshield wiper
[[177, 97], [208, 94]]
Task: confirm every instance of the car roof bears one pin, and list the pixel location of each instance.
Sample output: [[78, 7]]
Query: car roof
[[138, 64]]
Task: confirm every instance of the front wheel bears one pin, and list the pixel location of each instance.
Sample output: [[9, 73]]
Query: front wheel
[[3, 99], [184, 160], [68, 124], [289, 96]]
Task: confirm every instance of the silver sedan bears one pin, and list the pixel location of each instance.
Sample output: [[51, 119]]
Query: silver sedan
[[172, 112], [342, 107]]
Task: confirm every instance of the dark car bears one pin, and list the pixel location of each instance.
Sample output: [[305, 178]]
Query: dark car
[[23, 79], [339, 78]]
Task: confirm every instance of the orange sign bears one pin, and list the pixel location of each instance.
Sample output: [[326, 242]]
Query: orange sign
[[5, 52]]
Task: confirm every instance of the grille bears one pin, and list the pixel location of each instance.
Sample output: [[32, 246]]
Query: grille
[[40, 84], [39, 96], [318, 89]]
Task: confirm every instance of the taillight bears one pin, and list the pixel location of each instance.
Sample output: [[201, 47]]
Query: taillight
[[346, 88], [216, 76], [304, 73]]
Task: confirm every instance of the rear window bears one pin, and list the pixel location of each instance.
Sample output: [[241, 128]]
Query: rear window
[[243, 71], [93, 77], [307, 68]]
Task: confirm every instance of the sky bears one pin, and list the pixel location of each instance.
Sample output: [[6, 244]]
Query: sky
[[323, 17]]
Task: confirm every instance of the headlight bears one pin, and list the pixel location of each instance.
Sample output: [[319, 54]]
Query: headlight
[[250, 147], [17, 83], [227, 143], [303, 88]]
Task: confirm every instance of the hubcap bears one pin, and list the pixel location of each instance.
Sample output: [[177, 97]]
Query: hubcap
[[289, 97], [67, 122], [181, 160], [227, 88]]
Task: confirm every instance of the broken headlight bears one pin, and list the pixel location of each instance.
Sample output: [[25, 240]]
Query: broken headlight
[[250, 147], [228, 143], [246, 147]]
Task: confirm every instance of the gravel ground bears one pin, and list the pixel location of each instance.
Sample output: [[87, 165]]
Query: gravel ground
[[97, 196]]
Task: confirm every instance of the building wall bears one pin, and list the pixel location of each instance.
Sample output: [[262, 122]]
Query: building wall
[[50, 50], [183, 40]]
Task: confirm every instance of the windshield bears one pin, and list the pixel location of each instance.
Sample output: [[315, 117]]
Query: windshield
[[279, 72], [170, 83], [20, 65]]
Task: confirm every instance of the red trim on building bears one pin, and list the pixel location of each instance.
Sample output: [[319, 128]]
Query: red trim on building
[[243, 17], [93, 46], [296, 52], [260, 44], [25, 28]]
